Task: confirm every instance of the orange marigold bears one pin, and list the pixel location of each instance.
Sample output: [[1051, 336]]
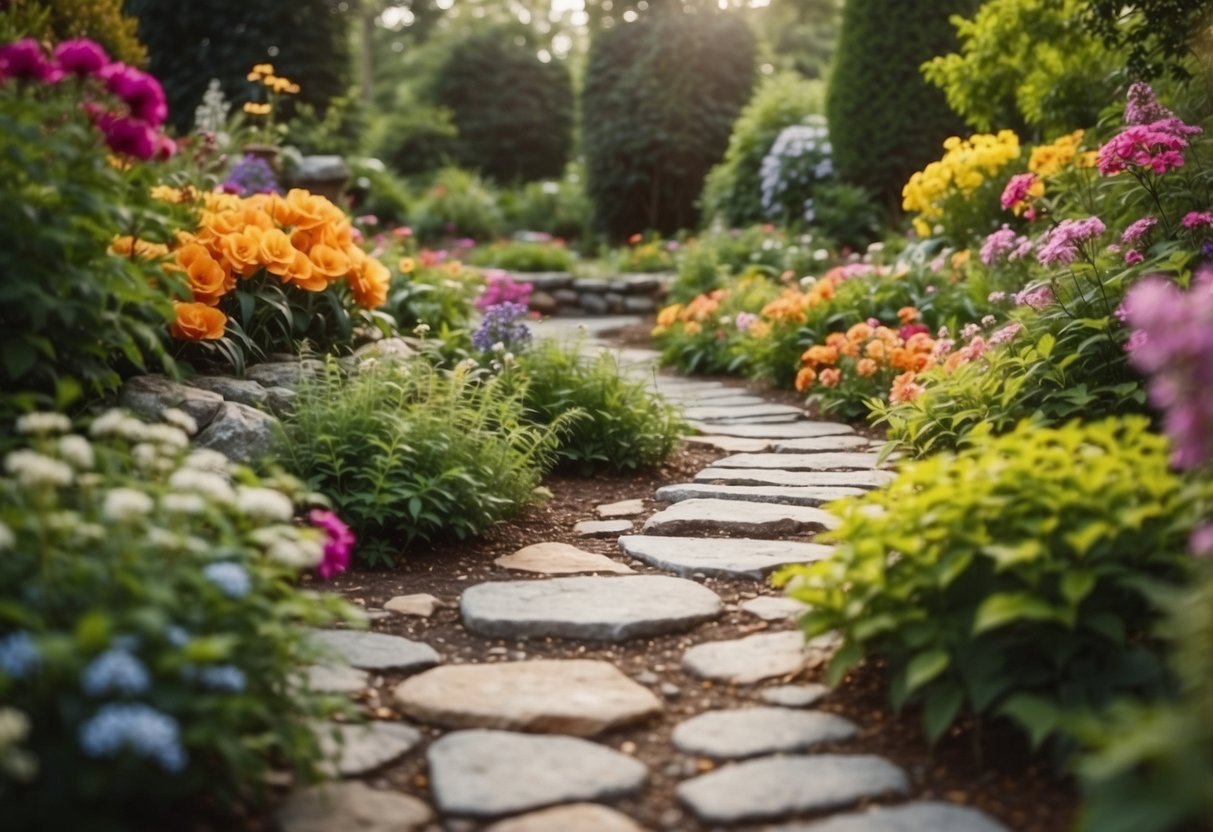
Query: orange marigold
[[805, 379], [866, 367], [907, 314], [369, 283]]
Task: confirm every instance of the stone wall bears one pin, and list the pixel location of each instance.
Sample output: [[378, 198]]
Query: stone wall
[[560, 293]]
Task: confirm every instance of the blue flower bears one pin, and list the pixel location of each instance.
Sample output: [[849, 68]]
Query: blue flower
[[231, 579], [502, 325], [115, 671], [19, 655], [176, 636], [138, 728], [223, 677]]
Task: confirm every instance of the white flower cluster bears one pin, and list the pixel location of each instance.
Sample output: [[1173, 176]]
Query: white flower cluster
[[211, 115], [799, 158]]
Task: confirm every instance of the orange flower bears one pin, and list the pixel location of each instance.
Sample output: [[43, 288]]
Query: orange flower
[[303, 274], [369, 283], [836, 340], [907, 314], [805, 379], [866, 367], [243, 251], [875, 350], [277, 253], [859, 332], [904, 389], [329, 262], [408, 265], [207, 280], [819, 354], [142, 249], [453, 268], [634, 239], [692, 328], [301, 209], [831, 377], [198, 322]]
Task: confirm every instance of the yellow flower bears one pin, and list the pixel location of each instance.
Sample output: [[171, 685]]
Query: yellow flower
[[1051, 159], [453, 268], [255, 109], [407, 265], [262, 69], [692, 328]]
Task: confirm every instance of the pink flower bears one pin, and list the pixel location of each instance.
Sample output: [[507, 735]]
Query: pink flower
[[1156, 147], [1018, 190], [1138, 230], [25, 60], [139, 91], [1007, 333], [1142, 106], [1035, 297], [81, 57], [1201, 541], [1062, 244], [1197, 219], [1133, 257], [131, 137], [339, 542], [910, 330]]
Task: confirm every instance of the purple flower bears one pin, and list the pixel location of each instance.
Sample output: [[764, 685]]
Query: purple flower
[[130, 136], [251, 175], [25, 60], [138, 728], [1201, 541], [81, 57], [1004, 245], [1138, 230], [338, 543], [139, 91], [744, 321], [1062, 243], [1142, 106], [502, 327]]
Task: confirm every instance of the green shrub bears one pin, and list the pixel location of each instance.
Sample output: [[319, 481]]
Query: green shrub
[[379, 192], [556, 207], [59, 20], [152, 631], [660, 98], [846, 215], [619, 424], [885, 120], [732, 192], [414, 138], [520, 256], [457, 204], [412, 454], [1010, 579], [513, 112]]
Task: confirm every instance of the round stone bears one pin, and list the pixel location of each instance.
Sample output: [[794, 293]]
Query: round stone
[[351, 750], [750, 659], [909, 817], [794, 696], [750, 732], [578, 817], [560, 559], [351, 807], [376, 651], [727, 557], [774, 608], [700, 516]]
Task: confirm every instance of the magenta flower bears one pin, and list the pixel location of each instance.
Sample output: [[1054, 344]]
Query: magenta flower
[[500, 288], [1197, 219], [131, 137], [1018, 190], [82, 57], [139, 91], [910, 330], [1157, 147], [1138, 230], [1004, 245], [1133, 257], [1062, 243], [1035, 297], [25, 60], [338, 544]]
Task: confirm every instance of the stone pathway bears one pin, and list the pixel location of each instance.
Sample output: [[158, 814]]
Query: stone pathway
[[515, 744]]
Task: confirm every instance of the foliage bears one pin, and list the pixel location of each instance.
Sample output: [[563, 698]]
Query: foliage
[[559, 208], [846, 215], [410, 454], [707, 261], [428, 288], [102, 21], [660, 98], [336, 130], [307, 40], [642, 256], [1158, 34], [457, 204], [151, 628], [378, 192], [1010, 579], [616, 424], [1026, 63], [885, 120], [414, 137], [524, 256], [513, 112], [74, 316], [732, 193]]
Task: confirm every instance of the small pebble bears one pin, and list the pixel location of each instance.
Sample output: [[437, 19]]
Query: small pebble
[[670, 691], [647, 677]]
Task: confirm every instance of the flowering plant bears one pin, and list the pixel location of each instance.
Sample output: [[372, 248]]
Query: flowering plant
[[151, 630], [269, 88], [798, 161]]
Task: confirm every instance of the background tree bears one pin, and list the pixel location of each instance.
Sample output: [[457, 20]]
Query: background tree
[[661, 95], [885, 120], [190, 43]]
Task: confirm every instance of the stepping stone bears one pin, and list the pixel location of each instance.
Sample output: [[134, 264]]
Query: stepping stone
[[774, 607], [908, 817], [376, 651], [336, 678], [363, 748], [750, 732], [710, 413], [797, 479], [421, 605], [738, 517], [794, 430], [801, 462], [816, 444], [577, 817], [715, 425], [592, 608], [717, 399], [603, 528], [731, 444], [487, 774], [576, 696], [783, 495], [794, 696], [560, 559], [351, 807], [623, 508], [775, 787], [753, 658], [727, 557]]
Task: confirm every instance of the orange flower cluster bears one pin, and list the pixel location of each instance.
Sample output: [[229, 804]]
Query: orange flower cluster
[[692, 315], [869, 350], [301, 239], [793, 304]]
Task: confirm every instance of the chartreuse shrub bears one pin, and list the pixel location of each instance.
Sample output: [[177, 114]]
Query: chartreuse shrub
[[457, 204], [412, 454], [152, 630], [1011, 579], [524, 256], [617, 423]]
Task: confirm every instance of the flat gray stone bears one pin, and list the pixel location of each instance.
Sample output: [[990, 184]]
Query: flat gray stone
[[844, 461], [716, 424], [702, 516], [727, 557], [753, 658], [751, 732], [241, 433], [376, 651], [281, 400], [577, 817], [774, 607], [560, 559], [603, 528], [796, 479], [922, 816], [622, 508], [337, 678], [321, 169], [151, 395], [783, 494], [775, 787], [363, 748], [574, 696], [284, 373], [486, 774], [731, 444], [240, 390], [824, 444], [710, 413], [614, 608], [421, 604], [794, 696], [795, 430], [720, 400], [351, 807]]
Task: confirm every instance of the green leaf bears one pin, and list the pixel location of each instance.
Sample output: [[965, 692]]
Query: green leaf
[[1077, 585], [1038, 717], [1006, 608], [925, 667], [1045, 345], [940, 711], [849, 655]]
